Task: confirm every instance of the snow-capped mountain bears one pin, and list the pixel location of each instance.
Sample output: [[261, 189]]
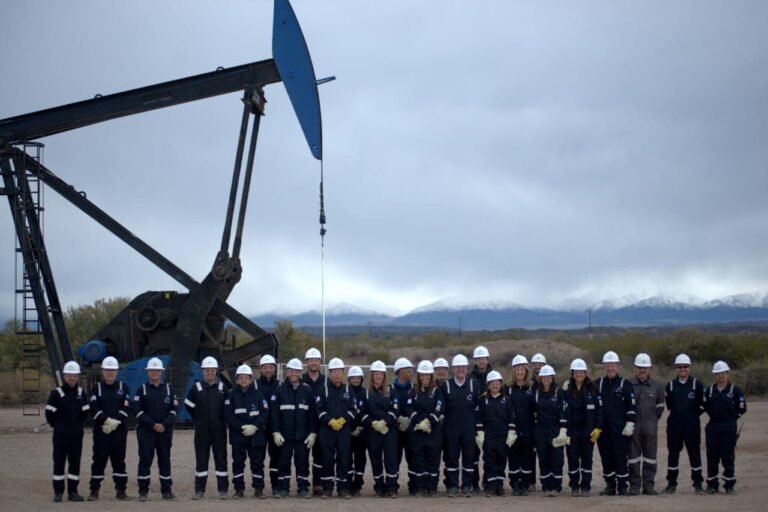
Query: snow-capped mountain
[[453, 313]]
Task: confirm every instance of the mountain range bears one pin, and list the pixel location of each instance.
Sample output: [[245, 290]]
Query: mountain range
[[574, 314]]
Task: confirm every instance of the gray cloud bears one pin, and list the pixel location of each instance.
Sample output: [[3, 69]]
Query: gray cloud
[[492, 150]]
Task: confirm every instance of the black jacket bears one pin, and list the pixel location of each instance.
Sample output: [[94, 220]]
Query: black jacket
[[293, 411], [205, 404], [551, 410], [524, 403], [247, 407], [495, 416], [110, 401], [67, 409], [425, 405], [379, 406], [155, 404], [461, 403], [724, 406], [336, 402], [618, 401], [585, 409], [685, 401]]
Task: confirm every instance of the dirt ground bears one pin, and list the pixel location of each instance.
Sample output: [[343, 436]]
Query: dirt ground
[[25, 480]]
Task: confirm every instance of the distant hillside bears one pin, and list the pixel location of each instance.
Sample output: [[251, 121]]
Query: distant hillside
[[654, 311]]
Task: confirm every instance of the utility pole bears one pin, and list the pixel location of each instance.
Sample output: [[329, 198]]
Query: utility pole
[[590, 323]]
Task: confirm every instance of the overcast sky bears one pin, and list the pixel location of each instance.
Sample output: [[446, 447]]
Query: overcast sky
[[480, 151]]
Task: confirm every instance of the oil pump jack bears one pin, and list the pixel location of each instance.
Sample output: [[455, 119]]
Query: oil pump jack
[[181, 328]]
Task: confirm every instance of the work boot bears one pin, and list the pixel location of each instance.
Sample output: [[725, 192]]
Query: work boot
[[697, 489], [650, 492], [730, 490], [143, 497], [500, 491], [57, 498], [198, 495], [317, 490], [585, 493], [672, 489], [304, 493], [452, 492], [223, 495], [94, 495], [121, 495], [239, 494], [622, 491], [608, 491], [169, 496], [327, 493], [523, 491], [258, 493], [711, 490], [575, 493], [467, 492], [633, 492], [73, 496]]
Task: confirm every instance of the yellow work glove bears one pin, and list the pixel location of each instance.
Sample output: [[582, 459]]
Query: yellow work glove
[[341, 421], [594, 435], [334, 424]]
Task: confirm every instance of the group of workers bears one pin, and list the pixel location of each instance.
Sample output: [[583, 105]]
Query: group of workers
[[443, 412]]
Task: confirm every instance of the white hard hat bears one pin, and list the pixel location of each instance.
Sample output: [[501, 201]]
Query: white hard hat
[[244, 369], [425, 367], [459, 360], [110, 363], [578, 365], [294, 364], [440, 363], [154, 364], [682, 359], [480, 351], [718, 367], [313, 353], [355, 371], [547, 371], [335, 364], [209, 362], [71, 367], [539, 358], [518, 359], [610, 357], [267, 359], [493, 375], [643, 360], [402, 363], [378, 366]]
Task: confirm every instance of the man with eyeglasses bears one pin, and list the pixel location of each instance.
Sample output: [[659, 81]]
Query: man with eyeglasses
[[685, 398]]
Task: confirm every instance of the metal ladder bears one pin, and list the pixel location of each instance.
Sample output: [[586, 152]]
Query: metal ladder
[[26, 316]]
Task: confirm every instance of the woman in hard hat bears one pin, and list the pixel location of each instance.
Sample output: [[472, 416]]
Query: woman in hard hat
[[294, 429], [424, 407], [495, 433], [724, 403], [402, 385], [521, 452], [357, 452], [379, 416], [550, 431], [585, 423], [65, 412], [247, 413]]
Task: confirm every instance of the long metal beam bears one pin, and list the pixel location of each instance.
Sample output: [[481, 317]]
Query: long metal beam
[[48, 122], [155, 257]]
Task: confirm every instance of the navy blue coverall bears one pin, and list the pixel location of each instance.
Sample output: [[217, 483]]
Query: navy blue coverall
[[205, 405], [495, 417], [685, 403], [585, 413], [268, 388], [241, 408], [155, 404], [66, 411], [401, 392], [317, 387], [425, 447], [336, 402], [358, 443], [459, 439], [480, 380], [109, 401], [521, 453], [618, 408], [382, 448], [294, 416], [551, 416], [724, 407]]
